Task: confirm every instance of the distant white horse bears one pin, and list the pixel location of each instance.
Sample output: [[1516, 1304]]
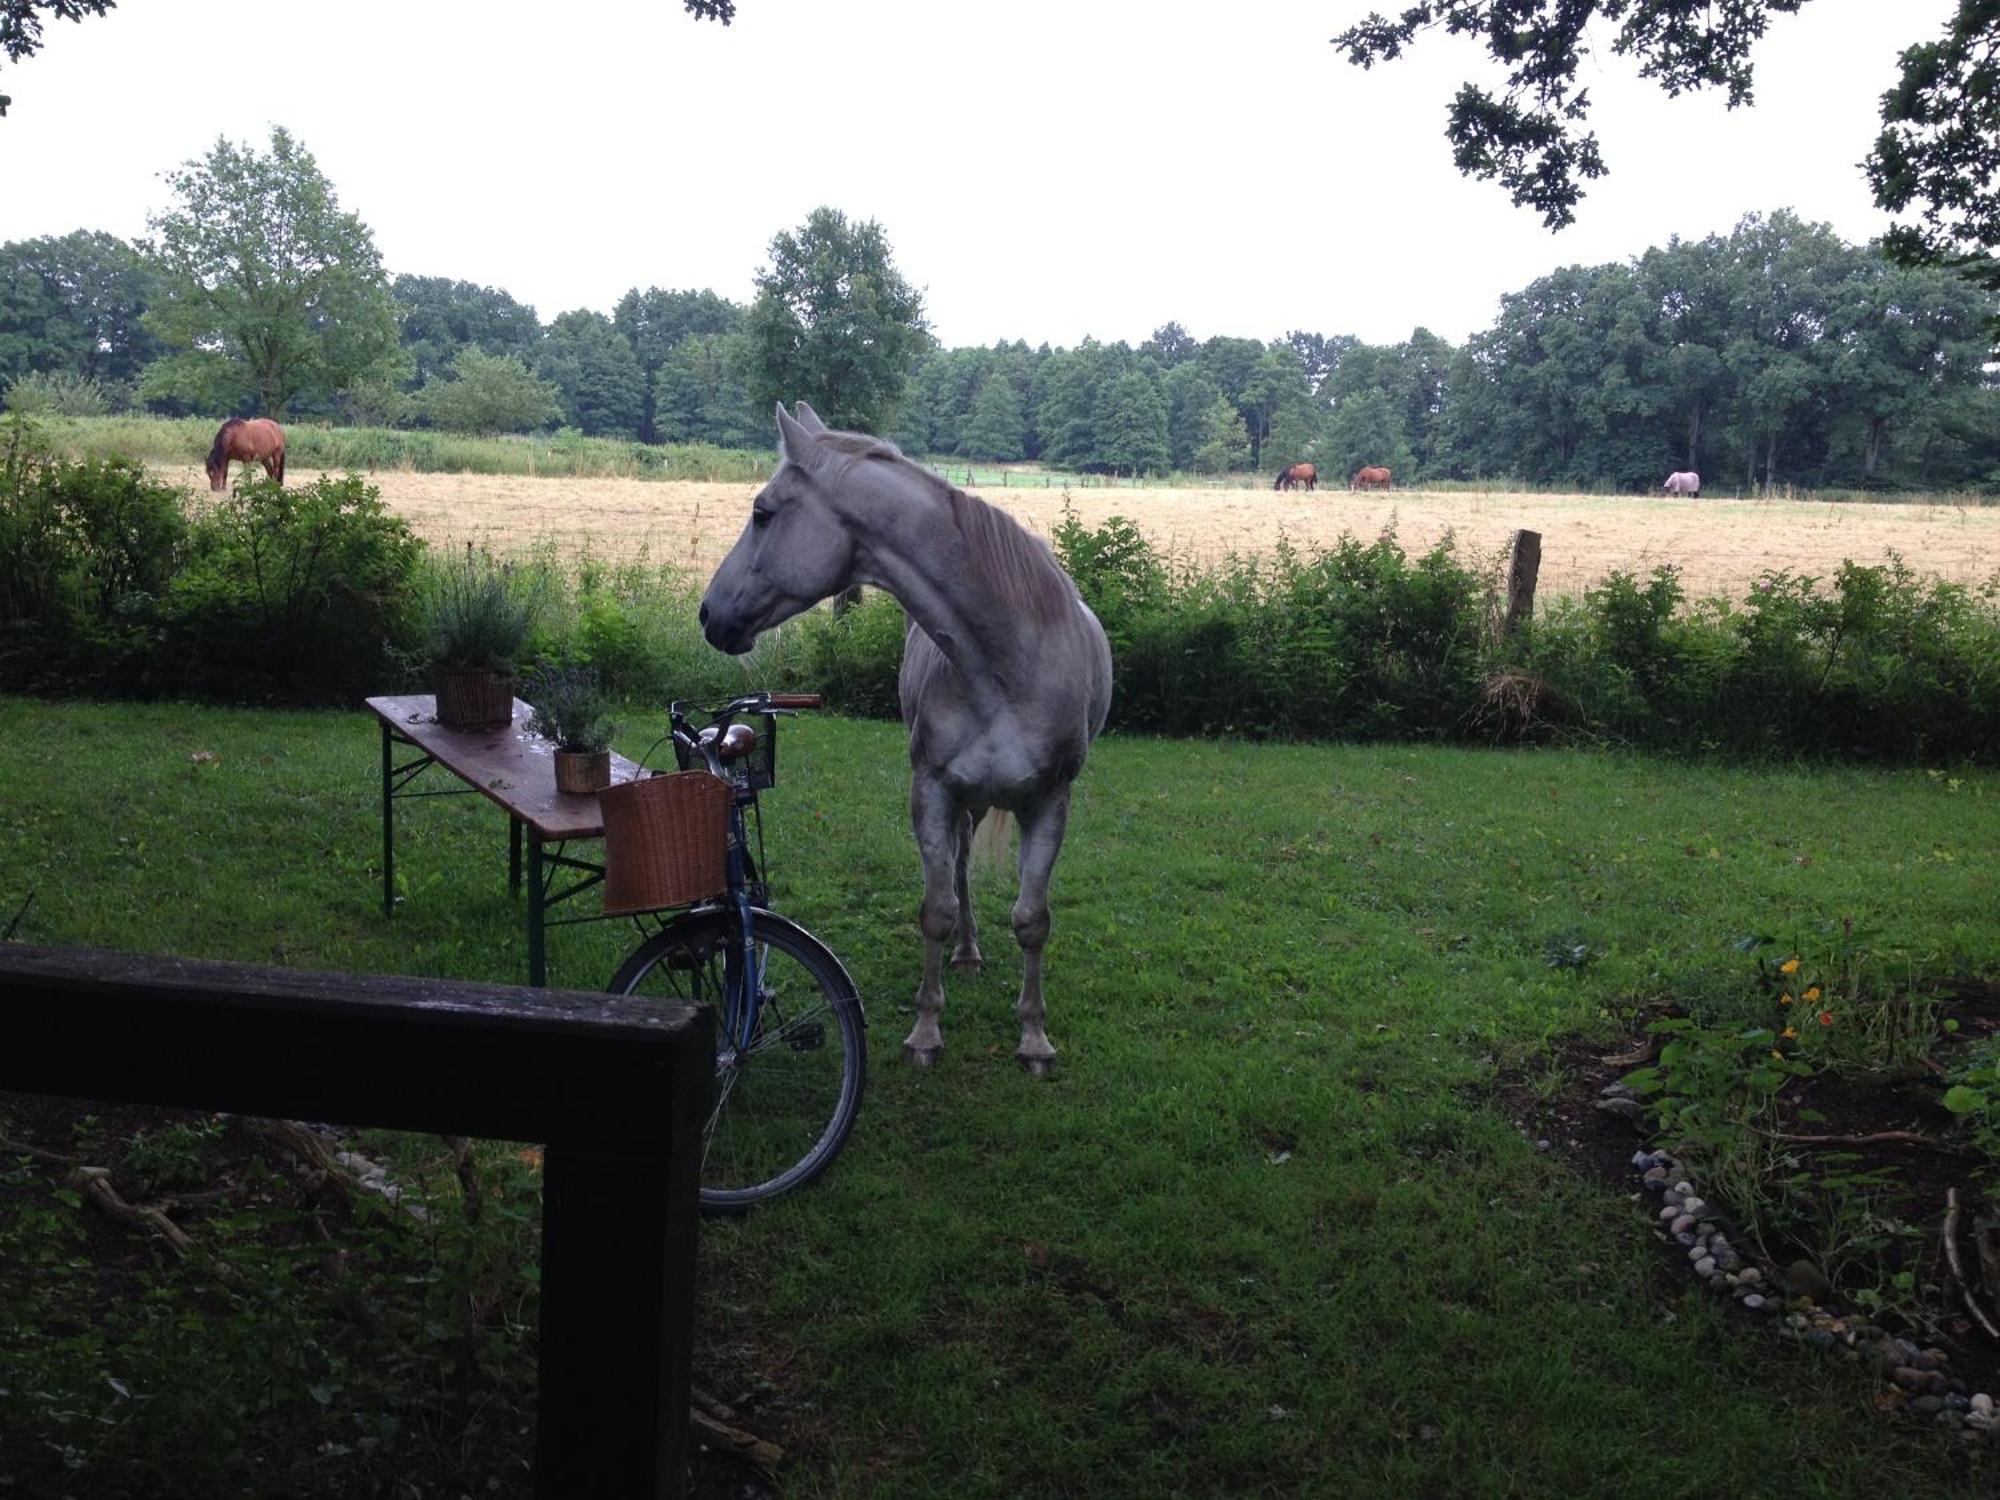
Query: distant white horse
[[1006, 674], [1686, 482]]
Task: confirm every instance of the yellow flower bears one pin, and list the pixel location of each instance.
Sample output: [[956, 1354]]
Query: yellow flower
[[1812, 994], [1789, 1034], [1784, 999], [1777, 1055], [1789, 966]]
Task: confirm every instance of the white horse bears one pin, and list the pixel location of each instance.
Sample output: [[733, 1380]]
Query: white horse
[[1683, 482], [1006, 674]]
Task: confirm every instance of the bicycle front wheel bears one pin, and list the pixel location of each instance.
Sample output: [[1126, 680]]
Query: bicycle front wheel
[[790, 1060]]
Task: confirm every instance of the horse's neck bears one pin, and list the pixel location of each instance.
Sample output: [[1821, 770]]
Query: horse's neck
[[908, 543]]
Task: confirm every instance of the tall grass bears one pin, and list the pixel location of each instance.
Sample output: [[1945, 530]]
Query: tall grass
[[186, 440]]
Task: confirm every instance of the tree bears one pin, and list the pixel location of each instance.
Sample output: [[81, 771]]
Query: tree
[[1170, 344], [488, 393], [1191, 397], [1224, 445], [73, 304], [1940, 147], [1130, 424], [21, 28], [437, 317], [653, 322], [269, 293], [595, 373], [1940, 143], [834, 323], [996, 429]]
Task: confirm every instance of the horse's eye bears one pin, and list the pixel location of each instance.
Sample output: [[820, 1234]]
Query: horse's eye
[[759, 517]]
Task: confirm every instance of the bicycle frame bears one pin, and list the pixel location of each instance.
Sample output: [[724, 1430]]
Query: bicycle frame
[[747, 885]]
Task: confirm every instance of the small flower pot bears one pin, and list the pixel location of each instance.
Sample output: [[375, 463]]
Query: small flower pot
[[476, 699], [581, 772]]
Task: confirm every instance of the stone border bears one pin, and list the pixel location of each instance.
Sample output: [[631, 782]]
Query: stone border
[[1921, 1377]]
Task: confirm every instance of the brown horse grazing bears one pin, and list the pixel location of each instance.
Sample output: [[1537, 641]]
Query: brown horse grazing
[[1369, 479], [255, 440], [1296, 475]]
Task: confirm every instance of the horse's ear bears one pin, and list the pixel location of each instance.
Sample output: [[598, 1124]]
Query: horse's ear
[[796, 444], [808, 418]]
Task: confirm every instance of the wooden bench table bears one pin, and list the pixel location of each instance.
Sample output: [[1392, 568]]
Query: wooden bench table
[[513, 769]]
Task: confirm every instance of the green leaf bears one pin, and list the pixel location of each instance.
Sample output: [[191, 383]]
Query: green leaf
[[1961, 1100]]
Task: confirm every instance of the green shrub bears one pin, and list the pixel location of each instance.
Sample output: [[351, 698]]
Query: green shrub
[[570, 708], [302, 594], [86, 550], [852, 657], [56, 393]]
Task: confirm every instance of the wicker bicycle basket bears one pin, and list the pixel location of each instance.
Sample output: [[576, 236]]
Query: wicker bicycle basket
[[665, 841]]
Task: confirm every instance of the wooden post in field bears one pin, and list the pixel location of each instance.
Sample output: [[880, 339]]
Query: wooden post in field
[[1521, 575]]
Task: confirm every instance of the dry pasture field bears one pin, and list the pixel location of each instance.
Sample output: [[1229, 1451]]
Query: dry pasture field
[[1720, 545]]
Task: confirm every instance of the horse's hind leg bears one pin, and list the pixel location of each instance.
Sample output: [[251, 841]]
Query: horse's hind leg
[[1041, 840], [936, 823], [965, 952]]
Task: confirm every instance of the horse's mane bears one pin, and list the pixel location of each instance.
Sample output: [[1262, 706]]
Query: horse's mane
[[1000, 553], [216, 454]]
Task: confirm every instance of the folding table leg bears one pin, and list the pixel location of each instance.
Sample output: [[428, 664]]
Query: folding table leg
[[537, 966], [513, 854], [388, 824]]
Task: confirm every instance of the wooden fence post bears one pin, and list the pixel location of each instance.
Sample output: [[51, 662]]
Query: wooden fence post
[[1521, 575]]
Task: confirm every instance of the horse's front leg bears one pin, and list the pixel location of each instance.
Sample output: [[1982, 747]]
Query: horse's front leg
[[1041, 840], [936, 822]]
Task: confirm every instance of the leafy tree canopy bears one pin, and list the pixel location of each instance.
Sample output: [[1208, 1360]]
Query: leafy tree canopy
[[270, 292], [72, 304], [834, 323], [1939, 149]]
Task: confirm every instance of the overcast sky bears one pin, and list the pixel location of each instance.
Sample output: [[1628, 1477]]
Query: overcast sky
[[1044, 169]]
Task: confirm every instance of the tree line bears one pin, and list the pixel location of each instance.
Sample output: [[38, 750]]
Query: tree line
[[1776, 354]]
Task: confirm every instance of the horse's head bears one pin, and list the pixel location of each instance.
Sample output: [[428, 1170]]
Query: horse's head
[[795, 551]]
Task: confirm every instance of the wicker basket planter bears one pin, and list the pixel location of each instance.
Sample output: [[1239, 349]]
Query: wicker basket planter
[[581, 772], [474, 699], [665, 841]]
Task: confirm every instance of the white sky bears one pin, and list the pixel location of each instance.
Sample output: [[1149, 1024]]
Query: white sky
[[1045, 169]]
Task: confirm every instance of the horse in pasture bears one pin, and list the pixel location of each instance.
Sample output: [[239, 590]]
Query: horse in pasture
[[1684, 482], [1005, 682], [255, 440], [1296, 475], [1369, 479]]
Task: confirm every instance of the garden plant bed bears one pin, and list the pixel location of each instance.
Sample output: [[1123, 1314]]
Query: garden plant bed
[[1860, 1177]]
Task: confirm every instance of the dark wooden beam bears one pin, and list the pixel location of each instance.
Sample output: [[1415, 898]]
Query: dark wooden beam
[[616, 1088]]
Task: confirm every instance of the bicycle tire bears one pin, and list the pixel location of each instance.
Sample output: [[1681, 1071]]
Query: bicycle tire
[[808, 1062]]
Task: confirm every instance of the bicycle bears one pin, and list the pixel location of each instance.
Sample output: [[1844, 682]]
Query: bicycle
[[791, 1040]]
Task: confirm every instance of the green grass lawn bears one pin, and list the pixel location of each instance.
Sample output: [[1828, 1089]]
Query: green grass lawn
[[1265, 1232]]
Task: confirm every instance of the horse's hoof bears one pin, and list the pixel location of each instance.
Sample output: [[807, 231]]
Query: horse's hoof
[[972, 961], [922, 1057], [1040, 1067]]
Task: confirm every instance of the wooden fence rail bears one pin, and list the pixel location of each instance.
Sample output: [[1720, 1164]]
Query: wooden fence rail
[[615, 1089]]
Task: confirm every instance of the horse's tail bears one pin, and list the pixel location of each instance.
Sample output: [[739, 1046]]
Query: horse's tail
[[990, 838], [279, 472]]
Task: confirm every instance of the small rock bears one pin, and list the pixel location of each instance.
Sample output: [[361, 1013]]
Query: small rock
[[1983, 1404], [1909, 1378], [1684, 1188], [1629, 1110], [1926, 1406], [1682, 1225], [1705, 1266], [1615, 1091], [1643, 1160], [1685, 1237], [1753, 1301], [1671, 1198], [1695, 1206], [1752, 1274], [1541, 1145], [1671, 1211], [1937, 1356]]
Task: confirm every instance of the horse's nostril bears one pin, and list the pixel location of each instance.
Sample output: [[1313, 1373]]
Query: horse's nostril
[[703, 615]]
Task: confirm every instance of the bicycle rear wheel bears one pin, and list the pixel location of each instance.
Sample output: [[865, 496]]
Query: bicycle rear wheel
[[788, 1078]]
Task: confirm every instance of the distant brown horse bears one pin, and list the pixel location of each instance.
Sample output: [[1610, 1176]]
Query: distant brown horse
[[1369, 479], [1296, 475], [255, 440]]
